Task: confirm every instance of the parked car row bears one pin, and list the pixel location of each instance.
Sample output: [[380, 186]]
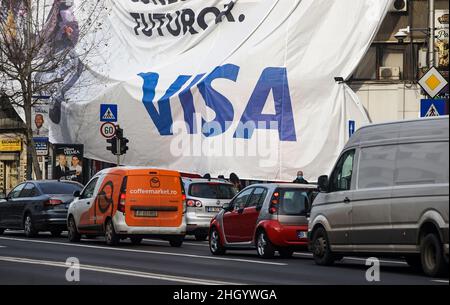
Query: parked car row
[[388, 195]]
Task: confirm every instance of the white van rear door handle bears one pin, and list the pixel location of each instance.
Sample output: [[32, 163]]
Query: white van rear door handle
[[347, 200]]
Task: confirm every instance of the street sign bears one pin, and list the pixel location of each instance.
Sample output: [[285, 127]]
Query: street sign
[[108, 113], [108, 130], [351, 128], [432, 108], [433, 82]]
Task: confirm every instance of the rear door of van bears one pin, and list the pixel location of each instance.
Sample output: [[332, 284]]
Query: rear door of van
[[154, 200]]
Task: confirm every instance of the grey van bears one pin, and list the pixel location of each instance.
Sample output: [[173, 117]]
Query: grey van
[[388, 195]]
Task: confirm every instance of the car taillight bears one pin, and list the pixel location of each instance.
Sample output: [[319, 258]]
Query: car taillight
[[274, 203], [122, 201], [53, 202], [193, 203], [184, 197]]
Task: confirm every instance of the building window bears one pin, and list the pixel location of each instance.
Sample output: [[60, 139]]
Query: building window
[[388, 62]]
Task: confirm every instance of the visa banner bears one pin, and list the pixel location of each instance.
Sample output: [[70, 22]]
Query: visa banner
[[221, 86]]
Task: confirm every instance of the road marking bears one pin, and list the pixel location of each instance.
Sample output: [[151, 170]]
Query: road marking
[[132, 273], [303, 254], [355, 259], [381, 261], [148, 252], [441, 281], [184, 243]]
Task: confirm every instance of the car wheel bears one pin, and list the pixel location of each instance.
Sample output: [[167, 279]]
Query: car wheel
[[264, 247], [136, 240], [201, 237], [111, 237], [176, 242], [28, 226], [321, 248], [72, 233], [432, 256], [56, 233], [215, 244], [286, 252]]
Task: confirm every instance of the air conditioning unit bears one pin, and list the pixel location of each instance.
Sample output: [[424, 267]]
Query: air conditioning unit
[[399, 6], [389, 73]]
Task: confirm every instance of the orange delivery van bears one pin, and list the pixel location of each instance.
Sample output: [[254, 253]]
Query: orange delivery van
[[130, 202]]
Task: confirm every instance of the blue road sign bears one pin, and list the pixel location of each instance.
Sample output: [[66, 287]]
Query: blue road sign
[[430, 107], [351, 128], [108, 113]]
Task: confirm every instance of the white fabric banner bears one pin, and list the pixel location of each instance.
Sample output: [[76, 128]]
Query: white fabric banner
[[221, 86]]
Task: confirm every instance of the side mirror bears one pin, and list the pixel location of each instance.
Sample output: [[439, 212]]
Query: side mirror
[[77, 194], [228, 206], [323, 184]]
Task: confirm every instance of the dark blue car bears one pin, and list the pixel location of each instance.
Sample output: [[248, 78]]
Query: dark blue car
[[35, 206]]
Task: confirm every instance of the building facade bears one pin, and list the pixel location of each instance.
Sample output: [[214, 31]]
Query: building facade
[[13, 152], [386, 80]]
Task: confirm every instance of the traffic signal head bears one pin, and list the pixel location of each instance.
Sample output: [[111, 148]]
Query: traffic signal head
[[124, 146], [113, 147], [119, 133]]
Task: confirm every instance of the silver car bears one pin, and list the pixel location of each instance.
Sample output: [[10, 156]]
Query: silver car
[[204, 199], [388, 195]]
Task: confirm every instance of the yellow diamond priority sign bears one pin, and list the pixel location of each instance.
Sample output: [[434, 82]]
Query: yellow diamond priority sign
[[433, 82]]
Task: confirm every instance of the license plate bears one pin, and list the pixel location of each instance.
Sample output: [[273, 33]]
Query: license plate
[[302, 234], [146, 213], [213, 209]]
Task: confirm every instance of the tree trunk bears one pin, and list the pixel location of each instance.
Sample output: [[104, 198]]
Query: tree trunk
[[32, 160]]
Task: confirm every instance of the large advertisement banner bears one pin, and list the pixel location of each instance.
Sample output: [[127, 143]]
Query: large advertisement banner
[[220, 86]]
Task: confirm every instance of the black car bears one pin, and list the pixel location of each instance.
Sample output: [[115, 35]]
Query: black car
[[35, 206]]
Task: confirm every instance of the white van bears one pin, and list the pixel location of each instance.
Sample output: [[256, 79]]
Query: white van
[[388, 195]]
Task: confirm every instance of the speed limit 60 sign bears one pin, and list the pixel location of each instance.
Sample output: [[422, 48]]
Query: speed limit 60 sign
[[108, 130]]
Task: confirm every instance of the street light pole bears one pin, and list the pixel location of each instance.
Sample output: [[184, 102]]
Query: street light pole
[[431, 41], [118, 152]]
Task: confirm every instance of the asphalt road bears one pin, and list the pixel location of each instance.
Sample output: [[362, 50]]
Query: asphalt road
[[42, 260]]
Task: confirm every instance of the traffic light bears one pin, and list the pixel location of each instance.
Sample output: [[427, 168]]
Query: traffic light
[[119, 143], [113, 147], [123, 146], [119, 133]]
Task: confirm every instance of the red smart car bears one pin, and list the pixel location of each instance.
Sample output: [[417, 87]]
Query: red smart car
[[268, 217]]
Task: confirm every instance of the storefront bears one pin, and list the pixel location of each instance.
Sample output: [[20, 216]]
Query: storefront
[[12, 161]]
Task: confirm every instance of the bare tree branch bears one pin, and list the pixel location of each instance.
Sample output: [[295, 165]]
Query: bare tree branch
[[38, 54]]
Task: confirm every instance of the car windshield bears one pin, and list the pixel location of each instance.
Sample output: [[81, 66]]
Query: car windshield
[[59, 188], [212, 191]]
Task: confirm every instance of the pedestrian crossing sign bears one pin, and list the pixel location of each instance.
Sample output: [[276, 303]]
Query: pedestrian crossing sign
[[433, 108], [108, 113]]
